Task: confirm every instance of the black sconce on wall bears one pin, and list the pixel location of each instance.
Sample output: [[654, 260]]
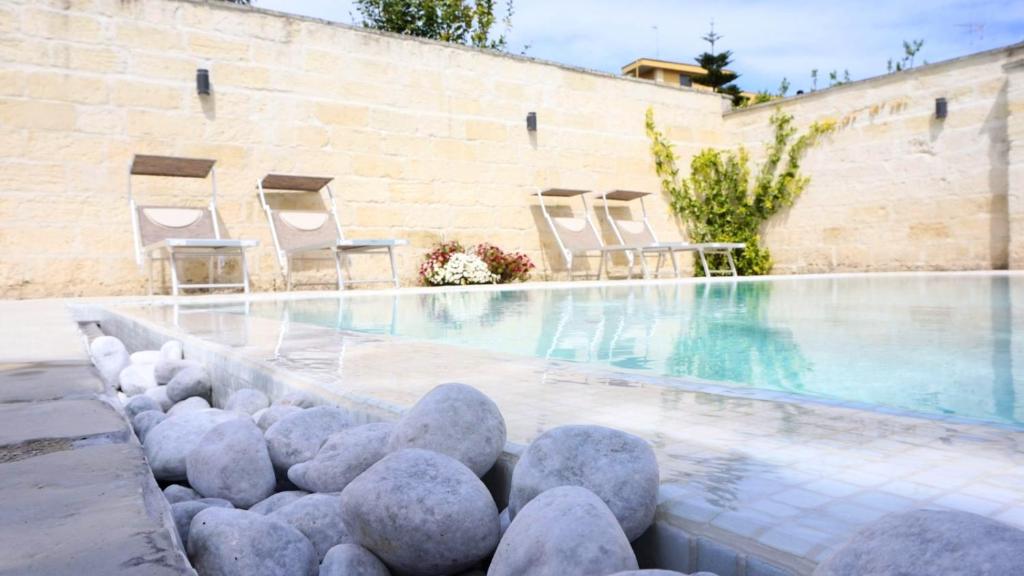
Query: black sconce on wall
[[941, 108], [531, 121], [203, 82]]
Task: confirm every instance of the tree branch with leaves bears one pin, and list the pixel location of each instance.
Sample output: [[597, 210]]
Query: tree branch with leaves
[[469, 22]]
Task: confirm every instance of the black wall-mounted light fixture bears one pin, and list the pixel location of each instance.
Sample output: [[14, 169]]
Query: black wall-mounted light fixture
[[531, 121], [941, 108], [203, 82]]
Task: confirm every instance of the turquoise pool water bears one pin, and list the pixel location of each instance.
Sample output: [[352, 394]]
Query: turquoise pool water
[[936, 344]]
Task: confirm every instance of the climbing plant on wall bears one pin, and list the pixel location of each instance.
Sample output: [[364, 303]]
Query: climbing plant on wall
[[722, 201]]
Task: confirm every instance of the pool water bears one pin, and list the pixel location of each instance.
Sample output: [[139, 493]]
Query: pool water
[[935, 344]]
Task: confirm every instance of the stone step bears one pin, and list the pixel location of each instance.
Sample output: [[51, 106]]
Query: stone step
[[76, 494]]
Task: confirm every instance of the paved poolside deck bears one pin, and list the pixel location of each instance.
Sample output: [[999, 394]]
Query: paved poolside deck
[[76, 494], [786, 480]]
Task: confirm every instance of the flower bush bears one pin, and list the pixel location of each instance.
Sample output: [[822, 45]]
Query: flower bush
[[451, 264], [509, 266]]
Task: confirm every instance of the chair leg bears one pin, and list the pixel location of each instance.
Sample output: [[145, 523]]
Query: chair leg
[[173, 263], [704, 263], [675, 265], [245, 271], [643, 264], [288, 274], [149, 273], [337, 269], [394, 269], [732, 265]]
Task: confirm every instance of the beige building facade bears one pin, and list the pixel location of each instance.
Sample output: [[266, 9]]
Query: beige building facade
[[429, 142]]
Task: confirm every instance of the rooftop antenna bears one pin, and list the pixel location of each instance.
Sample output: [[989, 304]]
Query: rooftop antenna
[[711, 37], [657, 44]]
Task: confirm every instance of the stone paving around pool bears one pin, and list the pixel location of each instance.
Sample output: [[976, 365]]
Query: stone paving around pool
[[785, 480], [76, 494]]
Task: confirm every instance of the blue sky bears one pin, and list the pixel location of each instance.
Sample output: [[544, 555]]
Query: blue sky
[[770, 40]]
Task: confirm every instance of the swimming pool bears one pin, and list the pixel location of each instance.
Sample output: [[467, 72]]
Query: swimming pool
[[936, 344]]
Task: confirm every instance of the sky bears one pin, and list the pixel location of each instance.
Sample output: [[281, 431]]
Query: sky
[[769, 40]]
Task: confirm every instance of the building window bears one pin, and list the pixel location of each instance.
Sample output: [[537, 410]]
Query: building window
[[685, 80]]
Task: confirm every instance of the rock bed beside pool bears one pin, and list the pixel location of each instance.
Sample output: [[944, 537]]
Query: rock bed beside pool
[[262, 487], [290, 487]]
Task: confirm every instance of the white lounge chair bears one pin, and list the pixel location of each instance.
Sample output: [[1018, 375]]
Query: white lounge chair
[[640, 234], [175, 233], [579, 236], [316, 235]]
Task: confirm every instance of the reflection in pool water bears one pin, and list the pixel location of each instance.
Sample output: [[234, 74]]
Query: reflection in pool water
[[934, 344]]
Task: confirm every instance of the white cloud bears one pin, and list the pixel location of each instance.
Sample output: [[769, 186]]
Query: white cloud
[[769, 39]]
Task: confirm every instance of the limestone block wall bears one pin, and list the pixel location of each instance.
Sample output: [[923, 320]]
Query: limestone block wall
[[896, 188], [1015, 170], [426, 141]]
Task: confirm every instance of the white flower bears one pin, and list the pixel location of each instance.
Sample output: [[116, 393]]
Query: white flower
[[462, 268]]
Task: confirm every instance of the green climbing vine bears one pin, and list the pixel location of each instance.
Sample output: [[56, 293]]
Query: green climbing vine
[[721, 202]]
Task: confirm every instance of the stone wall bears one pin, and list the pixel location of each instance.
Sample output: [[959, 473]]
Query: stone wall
[[428, 141], [896, 188], [1015, 159]]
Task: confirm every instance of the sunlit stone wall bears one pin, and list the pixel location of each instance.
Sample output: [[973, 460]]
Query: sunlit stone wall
[[428, 141], [896, 188]]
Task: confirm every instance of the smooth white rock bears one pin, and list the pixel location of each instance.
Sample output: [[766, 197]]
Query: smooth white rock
[[352, 560], [136, 379], [145, 357], [168, 443], [269, 416], [172, 350], [165, 369], [318, 517], [159, 393], [139, 404], [247, 400], [930, 543], [279, 500], [422, 513], [231, 462], [565, 531], [297, 437], [229, 542], [143, 422], [110, 357], [190, 382], [344, 456], [456, 420], [620, 468], [192, 404], [178, 493]]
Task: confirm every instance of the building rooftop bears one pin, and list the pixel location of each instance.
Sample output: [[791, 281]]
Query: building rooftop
[[641, 65]]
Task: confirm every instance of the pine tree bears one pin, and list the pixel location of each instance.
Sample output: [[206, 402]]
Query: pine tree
[[717, 76]]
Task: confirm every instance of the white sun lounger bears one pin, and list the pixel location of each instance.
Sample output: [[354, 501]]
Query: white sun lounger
[[579, 236], [174, 233], [305, 234], [640, 234]]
